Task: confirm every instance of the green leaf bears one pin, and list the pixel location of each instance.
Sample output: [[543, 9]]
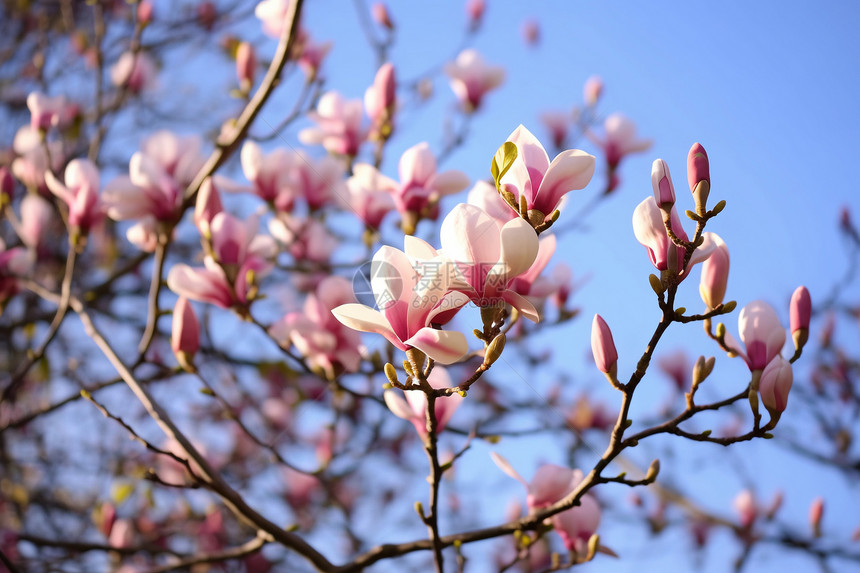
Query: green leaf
[[502, 161]]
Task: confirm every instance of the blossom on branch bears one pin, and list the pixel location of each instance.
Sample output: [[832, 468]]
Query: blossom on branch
[[471, 78], [414, 408]]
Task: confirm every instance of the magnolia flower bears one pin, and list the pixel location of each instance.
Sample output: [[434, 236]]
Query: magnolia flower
[[269, 174], [557, 122], [309, 54], [80, 192], [380, 101], [484, 196], [542, 184], [306, 239], [246, 66], [603, 346], [591, 90], [664, 254], [316, 181], [36, 216], [745, 505], [135, 72], [45, 112], [421, 186], [472, 78], [325, 343], [800, 309], [239, 258], [185, 333], [550, 484], [715, 273], [158, 174], [761, 332], [408, 303], [14, 262], [776, 380], [619, 139], [487, 256], [208, 205], [414, 408], [31, 161], [369, 194], [339, 125], [272, 15]]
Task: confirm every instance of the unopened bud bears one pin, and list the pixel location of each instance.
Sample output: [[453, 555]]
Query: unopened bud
[[702, 369], [380, 14], [661, 182], [407, 366], [721, 331], [185, 335], [698, 167], [592, 90], [816, 512], [730, 306], [653, 471], [494, 350], [390, 372], [246, 65], [800, 311], [602, 345]]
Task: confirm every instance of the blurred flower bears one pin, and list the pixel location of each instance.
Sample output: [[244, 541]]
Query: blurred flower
[[414, 408], [592, 90], [531, 32], [339, 125], [80, 192], [135, 72], [619, 139], [185, 334], [380, 102], [472, 78], [651, 232], [370, 195], [775, 384]]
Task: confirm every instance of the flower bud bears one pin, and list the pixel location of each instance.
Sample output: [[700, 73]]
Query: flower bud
[[603, 346], [379, 11], [816, 512], [207, 206], [661, 181], [246, 65], [475, 11], [495, 348], [715, 274], [800, 310], [776, 380], [144, 12], [185, 338], [699, 176], [698, 167], [592, 90]]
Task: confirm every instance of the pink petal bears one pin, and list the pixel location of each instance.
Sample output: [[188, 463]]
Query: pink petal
[[506, 467], [443, 346], [365, 319], [571, 169]]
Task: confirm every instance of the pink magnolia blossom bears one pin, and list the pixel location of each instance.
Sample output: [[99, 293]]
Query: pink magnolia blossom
[[409, 304], [185, 333], [761, 332], [487, 256], [158, 175], [715, 273], [246, 66], [698, 166], [603, 346], [484, 196], [591, 90], [619, 139], [661, 182], [664, 254], [306, 239], [746, 507], [421, 186], [122, 534], [36, 217], [775, 384], [369, 194], [45, 112], [269, 174], [339, 125], [31, 161], [272, 15], [414, 408], [135, 72], [471, 78], [238, 256], [317, 181], [676, 366], [380, 101], [14, 262], [309, 54], [800, 309], [541, 183], [558, 123], [80, 192], [550, 484], [325, 343], [531, 32], [535, 284], [208, 205], [144, 234]]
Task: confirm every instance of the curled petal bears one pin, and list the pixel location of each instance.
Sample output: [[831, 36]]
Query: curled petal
[[443, 346]]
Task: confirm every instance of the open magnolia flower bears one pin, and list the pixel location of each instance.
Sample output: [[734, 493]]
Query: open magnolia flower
[[409, 305], [541, 183], [550, 484], [488, 256]]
